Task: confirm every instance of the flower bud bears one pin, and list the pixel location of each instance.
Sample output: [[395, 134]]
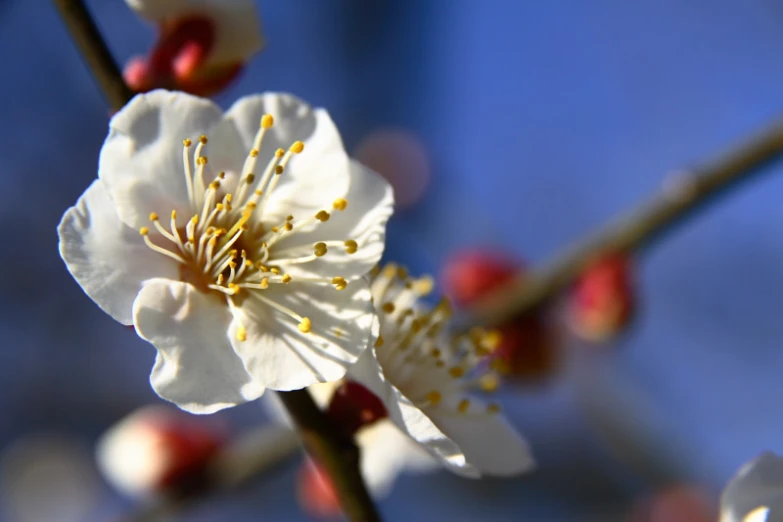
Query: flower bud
[[602, 301], [528, 347], [315, 491], [158, 450], [353, 406]]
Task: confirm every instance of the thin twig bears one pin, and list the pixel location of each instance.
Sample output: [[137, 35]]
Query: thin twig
[[94, 51], [680, 198], [339, 456]]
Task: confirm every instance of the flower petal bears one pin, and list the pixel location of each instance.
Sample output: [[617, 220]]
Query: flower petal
[[370, 204], [157, 11], [141, 160], [196, 367], [314, 178], [489, 442], [758, 484], [385, 452], [281, 357], [108, 259]]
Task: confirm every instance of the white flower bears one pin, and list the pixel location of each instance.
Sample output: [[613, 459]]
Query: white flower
[[755, 493], [425, 377], [241, 278], [384, 451], [237, 28]]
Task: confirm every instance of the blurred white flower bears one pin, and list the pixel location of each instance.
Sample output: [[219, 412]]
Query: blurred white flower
[[202, 44], [755, 493], [426, 377], [240, 277]]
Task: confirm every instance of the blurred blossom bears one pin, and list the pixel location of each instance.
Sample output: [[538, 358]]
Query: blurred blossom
[[202, 45], [384, 450], [235, 292], [755, 493], [528, 348], [47, 478], [158, 449], [677, 503], [399, 157], [427, 380], [603, 299]]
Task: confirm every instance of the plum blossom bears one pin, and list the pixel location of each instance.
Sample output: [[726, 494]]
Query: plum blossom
[[755, 493], [236, 244], [426, 379], [202, 46]]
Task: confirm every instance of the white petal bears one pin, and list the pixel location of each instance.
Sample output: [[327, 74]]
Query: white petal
[[489, 442], [141, 160], [314, 178], [196, 368], [158, 10], [108, 259], [757, 485], [281, 357], [370, 204], [385, 452]]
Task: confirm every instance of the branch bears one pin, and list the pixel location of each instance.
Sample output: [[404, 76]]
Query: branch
[[338, 456], [94, 51], [684, 195]]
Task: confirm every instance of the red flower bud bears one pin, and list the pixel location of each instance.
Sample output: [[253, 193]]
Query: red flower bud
[[158, 450], [528, 347], [602, 301], [353, 406], [316, 493]]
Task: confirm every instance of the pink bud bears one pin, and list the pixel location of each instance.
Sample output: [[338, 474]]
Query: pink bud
[[316, 493], [602, 301], [677, 503], [157, 450], [528, 348]]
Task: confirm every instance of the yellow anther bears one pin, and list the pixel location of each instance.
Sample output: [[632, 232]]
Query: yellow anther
[[213, 240], [153, 216], [492, 339], [279, 153], [322, 215], [388, 270], [194, 219], [220, 279], [388, 308], [288, 226], [306, 325], [351, 246], [173, 214], [493, 408], [275, 271], [229, 197], [434, 397], [214, 185], [423, 286], [267, 120], [251, 205], [241, 333], [186, 142], [144, 231], [203, 139], [250, 178], [202, 160], [435, 352], [222, 174], [463, 406], [489, 383], [402, 273], [258, 192], [209, 231], [340, 204], [456, 372], [320, 249], [289, 218], [286, 278], [264, 284], [297, 147], [232, 264], [253, 153], [275, 230], [248, 263], [279, 170], [220, 207], [339, 283], [416, 325], [234, 288], [379, 341]]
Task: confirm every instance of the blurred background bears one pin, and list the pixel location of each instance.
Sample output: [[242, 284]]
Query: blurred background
[[507, 125]]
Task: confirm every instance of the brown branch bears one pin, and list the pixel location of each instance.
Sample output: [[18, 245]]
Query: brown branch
[[684, 195], [339, 456], [94, 51]]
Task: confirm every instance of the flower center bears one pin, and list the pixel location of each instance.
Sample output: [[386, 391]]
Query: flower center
[[430, 367], [225, 246]]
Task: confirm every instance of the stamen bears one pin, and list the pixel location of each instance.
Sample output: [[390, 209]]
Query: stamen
[[433, 398], [339, 283], [241, 333], [351, 246], [340, 204], [306, 325], [144, 231], [188, 172], [463, 405]]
